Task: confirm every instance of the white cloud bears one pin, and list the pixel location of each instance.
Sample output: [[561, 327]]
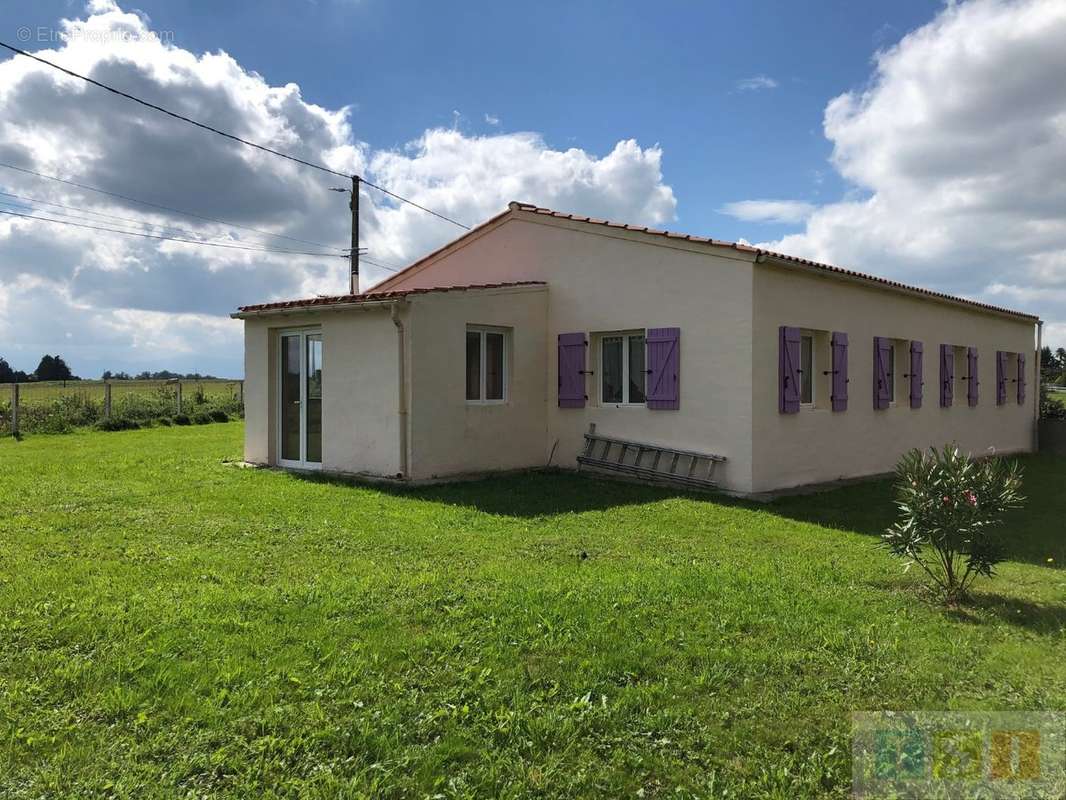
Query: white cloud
[[956, 154], [135, 304], [756, 83], [780, 211], [492, 119]]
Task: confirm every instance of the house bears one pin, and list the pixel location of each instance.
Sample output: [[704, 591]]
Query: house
[[497, 352]]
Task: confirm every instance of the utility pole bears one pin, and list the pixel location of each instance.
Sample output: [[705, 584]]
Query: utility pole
[[353, 204]]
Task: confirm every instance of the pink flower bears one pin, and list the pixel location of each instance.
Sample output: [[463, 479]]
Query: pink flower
[[971, 498], [947, 500]]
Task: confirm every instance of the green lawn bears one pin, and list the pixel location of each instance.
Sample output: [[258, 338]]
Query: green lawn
[[171, 625]]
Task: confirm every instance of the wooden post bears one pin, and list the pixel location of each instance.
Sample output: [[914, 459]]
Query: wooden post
[[107, 399], [179, 396], [240, 393], [15, 410]]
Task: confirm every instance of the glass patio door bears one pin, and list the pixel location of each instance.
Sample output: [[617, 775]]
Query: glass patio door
[[300, 400]]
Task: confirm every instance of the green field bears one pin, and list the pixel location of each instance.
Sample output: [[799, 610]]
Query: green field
[[63, 406], [175, 626]]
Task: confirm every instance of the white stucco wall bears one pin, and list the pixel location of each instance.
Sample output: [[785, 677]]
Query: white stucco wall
[[818, 444], [603, 280], [448, 435], [359, 389]]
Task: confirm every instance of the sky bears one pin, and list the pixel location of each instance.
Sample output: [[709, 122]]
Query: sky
[[921, 141]]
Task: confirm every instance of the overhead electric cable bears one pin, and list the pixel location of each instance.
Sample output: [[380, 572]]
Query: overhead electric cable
[[169, 238], [82, 211], [161, 207], [214, 130]]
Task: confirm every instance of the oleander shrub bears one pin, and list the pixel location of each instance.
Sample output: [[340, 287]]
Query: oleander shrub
[[950, 506]]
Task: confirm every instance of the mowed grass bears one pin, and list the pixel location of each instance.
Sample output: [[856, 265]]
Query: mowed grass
[[173, 626]]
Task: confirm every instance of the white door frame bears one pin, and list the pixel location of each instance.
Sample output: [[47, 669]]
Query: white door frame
[[303, 334]]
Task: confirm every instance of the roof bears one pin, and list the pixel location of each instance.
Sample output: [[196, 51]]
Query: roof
[[756, 252], [311, 303]]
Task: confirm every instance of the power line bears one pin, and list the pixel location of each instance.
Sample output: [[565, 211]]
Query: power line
[[166, 238], [255, 248], [376, 264], [82, 211], [416, 205], [161, 207], [230, 136], [169, 113]]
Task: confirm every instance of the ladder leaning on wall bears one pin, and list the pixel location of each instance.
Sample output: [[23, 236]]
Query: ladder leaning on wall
[[649, 461]]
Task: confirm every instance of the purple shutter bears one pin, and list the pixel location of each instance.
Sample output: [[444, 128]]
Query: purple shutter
[[882, 389], [788, 367], [1021, 378], [664, 368], [839, 395], [915, 374], [1001, 378], [947, 375], [572, 370], [971, 376]]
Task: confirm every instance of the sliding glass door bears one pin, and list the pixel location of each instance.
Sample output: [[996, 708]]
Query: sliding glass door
[[300, 399]]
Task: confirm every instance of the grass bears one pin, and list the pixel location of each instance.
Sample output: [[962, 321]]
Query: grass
[[65, 406], [173, 626]]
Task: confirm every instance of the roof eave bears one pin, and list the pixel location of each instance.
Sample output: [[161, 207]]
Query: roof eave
[[291, 311], [883, 284]]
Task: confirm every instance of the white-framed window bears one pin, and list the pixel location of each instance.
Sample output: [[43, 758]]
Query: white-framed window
[[486, 364], [622, 368], [807, 367]]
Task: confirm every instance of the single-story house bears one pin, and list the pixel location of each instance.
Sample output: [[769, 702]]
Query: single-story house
[[497, 351]]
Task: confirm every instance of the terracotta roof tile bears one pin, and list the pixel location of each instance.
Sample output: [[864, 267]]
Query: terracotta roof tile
[[376, 297]]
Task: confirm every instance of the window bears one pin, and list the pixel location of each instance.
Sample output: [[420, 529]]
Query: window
[[806, 369], [622, 368], [486, 365]]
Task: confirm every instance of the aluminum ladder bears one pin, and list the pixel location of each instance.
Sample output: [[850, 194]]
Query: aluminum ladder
[[649, 461]]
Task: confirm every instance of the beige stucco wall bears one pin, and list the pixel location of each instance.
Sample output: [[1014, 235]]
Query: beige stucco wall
[[605, 280], [448, 435], [817, 444], [359, 389]]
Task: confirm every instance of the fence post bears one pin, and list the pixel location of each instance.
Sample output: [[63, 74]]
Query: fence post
[[15, 410], [179, 397], [107, 399], [240, 395]]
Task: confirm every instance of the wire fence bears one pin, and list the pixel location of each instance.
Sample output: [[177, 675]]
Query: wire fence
[[62, 406]]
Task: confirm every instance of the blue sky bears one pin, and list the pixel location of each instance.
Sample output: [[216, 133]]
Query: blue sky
[[910, 139], [583, 74]]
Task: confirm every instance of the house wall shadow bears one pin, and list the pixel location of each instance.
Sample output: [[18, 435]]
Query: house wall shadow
[[1032, 534], [540, 493]]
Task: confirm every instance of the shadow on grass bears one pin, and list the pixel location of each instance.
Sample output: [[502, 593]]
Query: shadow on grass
[[1032, 534], [1043, 618], [544, 493]]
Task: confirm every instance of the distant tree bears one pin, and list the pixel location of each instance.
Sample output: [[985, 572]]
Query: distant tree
[[1050, 364], [115, 376], [53, 368], [7, 375]]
